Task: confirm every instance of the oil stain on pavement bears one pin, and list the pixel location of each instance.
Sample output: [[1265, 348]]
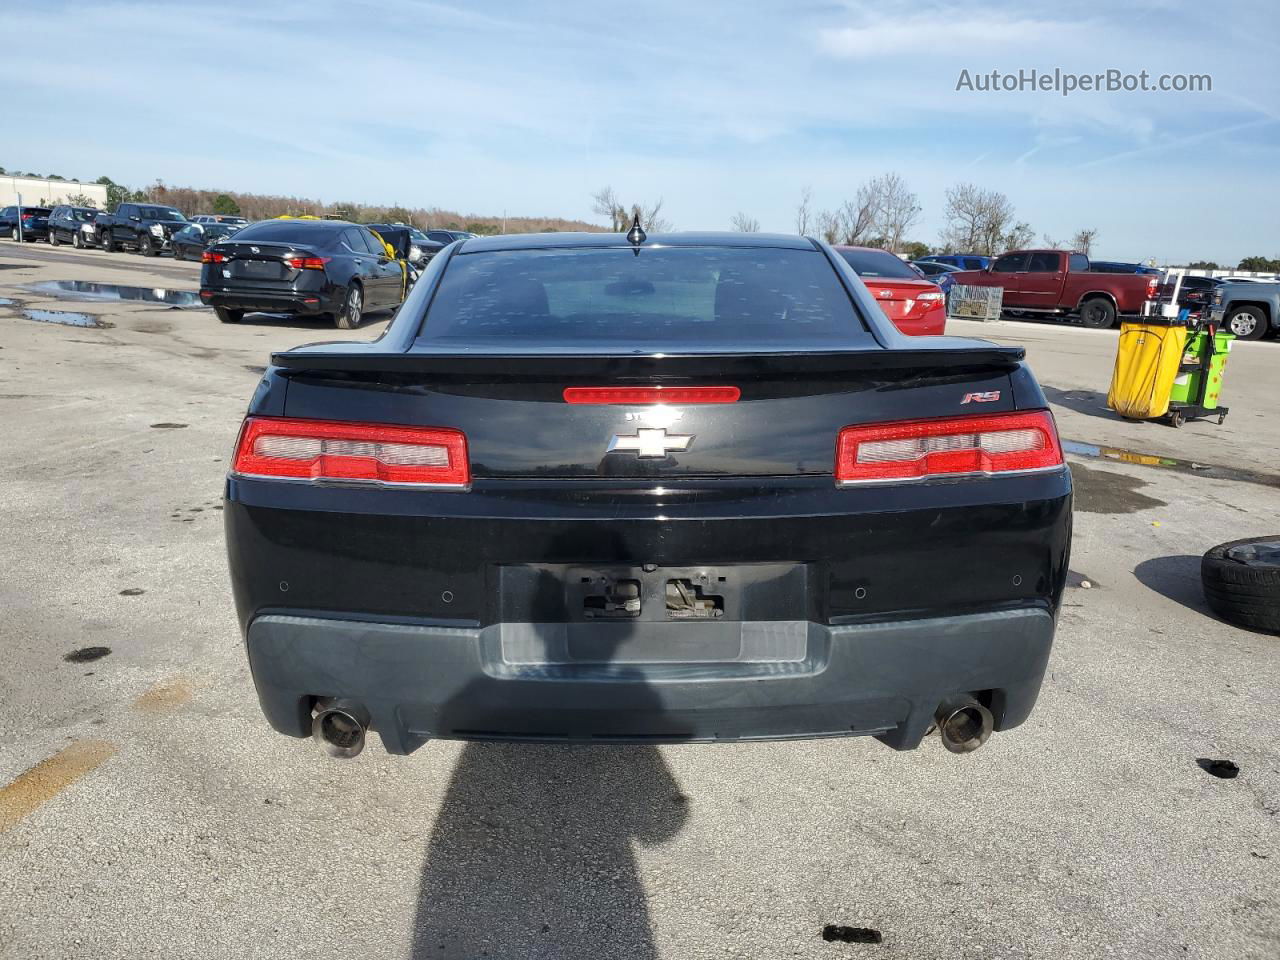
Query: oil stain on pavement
[[48, 778], [86, 654]]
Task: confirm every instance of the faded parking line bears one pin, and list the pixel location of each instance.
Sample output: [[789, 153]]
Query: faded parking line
[[48, 778]]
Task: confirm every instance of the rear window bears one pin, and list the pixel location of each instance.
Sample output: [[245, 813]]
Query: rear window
[[290, 231], [878, 263], [697, 298], [160, 213]]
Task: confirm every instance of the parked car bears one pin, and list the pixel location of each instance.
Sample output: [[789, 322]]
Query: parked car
[[218, 218], [447, 237], [422, 248], [916, 306], [1113, 266], [145, 227], [302, 267], [34, 222], [1061, 283], [687, 488], [190, 242], [66, 224], [1193, 292], [1249, 310], [965, 261], [939, 273]]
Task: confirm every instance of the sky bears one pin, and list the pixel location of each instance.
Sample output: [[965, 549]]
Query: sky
[[529, 107]]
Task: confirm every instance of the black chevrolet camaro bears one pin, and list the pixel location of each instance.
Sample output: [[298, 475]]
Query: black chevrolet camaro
[[689, 487]]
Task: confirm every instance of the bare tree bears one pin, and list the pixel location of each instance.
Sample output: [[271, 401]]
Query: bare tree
[[744, 224], [829, 225], [977, 220], [1050, 242], [604, 202], [897, 209], [1019, 237], [650, 217], [802, 212], [1083, 240], [858, 216]]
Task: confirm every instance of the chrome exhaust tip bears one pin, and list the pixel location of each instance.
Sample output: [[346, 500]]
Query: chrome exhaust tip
[[339, 726], [963, 724]]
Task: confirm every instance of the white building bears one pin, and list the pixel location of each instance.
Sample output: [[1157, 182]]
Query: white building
[[39, 192]]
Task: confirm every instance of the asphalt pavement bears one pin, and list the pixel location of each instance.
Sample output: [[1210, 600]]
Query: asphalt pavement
[[147, 810]]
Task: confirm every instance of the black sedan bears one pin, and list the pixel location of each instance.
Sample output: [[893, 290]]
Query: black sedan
[[189, 243], [595, 487], [301, 267], [67, 222]]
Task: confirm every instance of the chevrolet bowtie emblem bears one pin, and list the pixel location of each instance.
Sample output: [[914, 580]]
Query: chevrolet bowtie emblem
[[649, 443]]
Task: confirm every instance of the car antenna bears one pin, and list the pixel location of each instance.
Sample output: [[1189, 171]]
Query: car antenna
[[636, 235]]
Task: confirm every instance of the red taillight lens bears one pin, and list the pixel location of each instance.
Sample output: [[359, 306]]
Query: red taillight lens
[[918, 449], [642, 395], [210, 257], [306, 263], [28, 217], [352, 452]]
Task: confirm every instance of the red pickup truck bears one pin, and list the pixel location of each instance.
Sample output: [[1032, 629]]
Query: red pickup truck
[[1060, 282]]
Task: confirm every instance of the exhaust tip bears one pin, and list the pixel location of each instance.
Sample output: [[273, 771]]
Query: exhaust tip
[[340, 727], [964, 724]]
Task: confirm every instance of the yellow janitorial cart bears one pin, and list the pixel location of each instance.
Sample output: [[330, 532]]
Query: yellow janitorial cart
[[1169, 366]]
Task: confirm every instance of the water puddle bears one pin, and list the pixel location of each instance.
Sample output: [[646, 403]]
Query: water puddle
[[1213, 471], [65, 318], [6, 302], [88, 291]]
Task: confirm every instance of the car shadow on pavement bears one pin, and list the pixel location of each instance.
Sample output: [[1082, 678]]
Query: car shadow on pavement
[[532, 853], [1176, 577], [1089, 402]]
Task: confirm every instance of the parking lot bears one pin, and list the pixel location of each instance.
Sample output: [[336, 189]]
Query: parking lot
[[151, 812]]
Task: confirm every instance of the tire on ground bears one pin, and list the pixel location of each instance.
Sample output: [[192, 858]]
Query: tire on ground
[[1259, 328], [228, 316], [1241, 582]]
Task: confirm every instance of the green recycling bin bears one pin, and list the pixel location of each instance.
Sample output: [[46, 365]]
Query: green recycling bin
[[1187, 384]]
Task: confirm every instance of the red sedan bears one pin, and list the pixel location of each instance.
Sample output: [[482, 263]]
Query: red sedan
[[916, 306]]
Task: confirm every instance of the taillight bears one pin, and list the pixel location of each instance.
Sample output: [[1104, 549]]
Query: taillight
[[935, 295], [210, 257], [306, 263], [337, 451], [642, 395], [28, 217], [1153, 284], [919, 449]]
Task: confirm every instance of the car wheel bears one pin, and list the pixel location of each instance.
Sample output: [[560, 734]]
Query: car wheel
[[1098, 313], [1247, 323], [228, 316], [53, 239], [1241, 582], [146, 247], [348, 318], [77, 240], [108, 242]]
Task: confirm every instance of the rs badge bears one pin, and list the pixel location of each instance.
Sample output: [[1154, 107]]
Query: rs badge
[[989, 396]]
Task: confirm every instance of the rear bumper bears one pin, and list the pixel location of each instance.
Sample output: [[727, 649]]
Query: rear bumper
[[511, 681], [265, 302]]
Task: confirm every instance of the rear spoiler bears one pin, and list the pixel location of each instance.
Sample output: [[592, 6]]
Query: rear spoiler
[[347, 357]]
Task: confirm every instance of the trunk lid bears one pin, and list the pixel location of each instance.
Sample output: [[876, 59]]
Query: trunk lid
[[518, 425], [262, 264]]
